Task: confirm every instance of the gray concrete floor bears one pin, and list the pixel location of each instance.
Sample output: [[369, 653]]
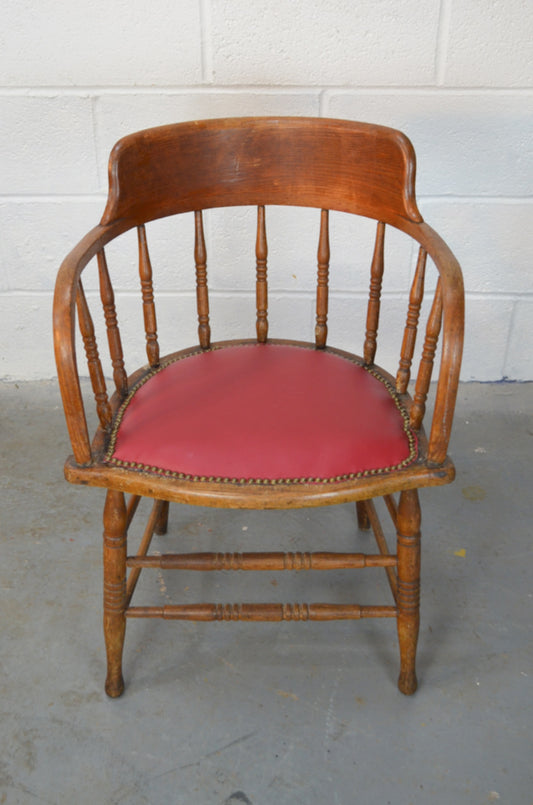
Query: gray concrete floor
[[268, 714]]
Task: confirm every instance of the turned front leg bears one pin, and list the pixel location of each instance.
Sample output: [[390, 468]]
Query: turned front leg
[[114, 588], [408, 599]]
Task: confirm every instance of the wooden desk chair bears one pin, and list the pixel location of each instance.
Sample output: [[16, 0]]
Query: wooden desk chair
[[263, 423]]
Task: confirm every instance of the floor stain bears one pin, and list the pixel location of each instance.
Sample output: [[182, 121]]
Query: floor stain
[[474, 493], [287, 694]]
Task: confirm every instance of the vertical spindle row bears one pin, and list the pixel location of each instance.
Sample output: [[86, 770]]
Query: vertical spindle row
[[150, 322], [321, 328], [374, 298], [261, 287], [202, 298], [423, 379], [96, 374], [411, 326], [113, 334]]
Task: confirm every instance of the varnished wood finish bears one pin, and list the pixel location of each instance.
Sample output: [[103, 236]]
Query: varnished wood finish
[[261, 561], [328, 164], [115, 548], [153, 520], [161, 526], [426, 363], [362, 515], [131, 508], [150, 322], [261, 286], [94, 364], [413, 313], [382, 544], [321, 328], [202, 298], [392, 507], [408, 595], [263, 612], [113, 333], [171, 169], [374, 297]]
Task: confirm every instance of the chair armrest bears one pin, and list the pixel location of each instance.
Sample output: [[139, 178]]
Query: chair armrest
[[64, 320], [452, 288]]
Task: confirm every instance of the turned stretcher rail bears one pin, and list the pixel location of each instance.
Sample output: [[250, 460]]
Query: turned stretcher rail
[[261, 561], [262, 612]]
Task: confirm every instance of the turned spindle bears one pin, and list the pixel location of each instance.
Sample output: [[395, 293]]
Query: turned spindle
[[202, 296], [374, 297], [150, 321], [321, 329]]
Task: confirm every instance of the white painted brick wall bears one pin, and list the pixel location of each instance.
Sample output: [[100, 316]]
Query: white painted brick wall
[[455, 75]]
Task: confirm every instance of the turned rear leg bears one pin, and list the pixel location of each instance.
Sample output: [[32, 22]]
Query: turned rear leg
[[362, 515], [161, 527], [408, 600], [114, 589]]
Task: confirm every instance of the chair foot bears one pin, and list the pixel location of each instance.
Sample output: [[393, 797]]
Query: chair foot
[[407, 683], [363, 521], [161, 527], [114, 687]]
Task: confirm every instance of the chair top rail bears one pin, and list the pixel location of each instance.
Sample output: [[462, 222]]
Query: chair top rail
[[316, 162]]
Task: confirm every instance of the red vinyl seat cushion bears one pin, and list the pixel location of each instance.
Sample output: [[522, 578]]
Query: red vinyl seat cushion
[[262, 413]]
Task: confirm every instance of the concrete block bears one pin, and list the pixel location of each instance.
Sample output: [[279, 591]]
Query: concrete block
[[519, 361], [304, 42], [487, 327], [292, 316], [26, 351], [292, 235], [171, 247], [46, 145], [466, 143], [176, 328], [492, 241], [101, 43], [118, 115], [347, 325], [490, 44], [37, 235]]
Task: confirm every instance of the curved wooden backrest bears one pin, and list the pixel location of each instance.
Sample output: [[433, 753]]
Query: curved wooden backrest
[[310, 162]]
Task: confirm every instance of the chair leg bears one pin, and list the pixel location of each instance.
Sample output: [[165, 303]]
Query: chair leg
[[161, 527], [115, 539], [408, 600], [362, 515]]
